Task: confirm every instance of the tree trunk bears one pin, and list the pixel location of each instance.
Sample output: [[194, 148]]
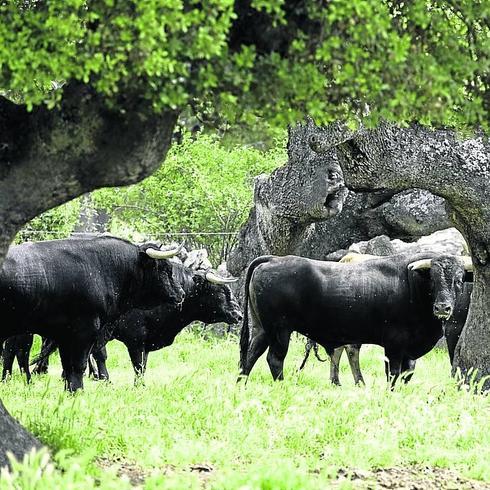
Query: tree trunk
[[473, 349], [394, 159], [49, 157], [15, 438]]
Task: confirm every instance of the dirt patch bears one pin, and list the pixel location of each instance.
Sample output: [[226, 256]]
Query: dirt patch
[[137, 475], [130, 471], [408, 478]]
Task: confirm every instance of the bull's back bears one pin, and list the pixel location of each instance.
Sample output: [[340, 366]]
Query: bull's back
[[54, 282]]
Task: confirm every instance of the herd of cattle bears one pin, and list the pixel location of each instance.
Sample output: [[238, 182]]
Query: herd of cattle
[[80, 293]]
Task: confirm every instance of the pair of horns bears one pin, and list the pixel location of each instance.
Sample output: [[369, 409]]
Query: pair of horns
[[163, 254], [427, 263], [216, 279]]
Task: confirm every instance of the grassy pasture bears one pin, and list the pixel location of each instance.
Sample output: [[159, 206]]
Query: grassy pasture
[[191, 426]]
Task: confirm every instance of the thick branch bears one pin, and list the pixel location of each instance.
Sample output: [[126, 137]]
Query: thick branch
[[50, 157]]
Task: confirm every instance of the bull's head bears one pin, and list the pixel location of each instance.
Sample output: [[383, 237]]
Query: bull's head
[[447, 275], [216, 300], [161, 283]]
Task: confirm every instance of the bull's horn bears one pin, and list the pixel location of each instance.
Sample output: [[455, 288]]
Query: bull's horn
[[215, 279], [163, 254], [420, 264], [468, 263]]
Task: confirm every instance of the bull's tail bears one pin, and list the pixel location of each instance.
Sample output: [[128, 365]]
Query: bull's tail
[[48, 347], [317, 355], [245, 331], [310, 344]]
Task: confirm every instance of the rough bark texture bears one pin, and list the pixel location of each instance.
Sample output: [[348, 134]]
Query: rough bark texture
[[50, 157], [308, 189], [457, 169]]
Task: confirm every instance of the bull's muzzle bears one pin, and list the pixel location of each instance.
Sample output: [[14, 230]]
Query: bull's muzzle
[[443, 311]]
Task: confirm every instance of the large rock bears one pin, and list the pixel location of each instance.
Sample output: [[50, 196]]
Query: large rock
[[448, 241]]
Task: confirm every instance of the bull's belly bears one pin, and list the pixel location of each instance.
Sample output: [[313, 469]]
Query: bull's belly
[[411, 337], [345, 325], [335, 334]]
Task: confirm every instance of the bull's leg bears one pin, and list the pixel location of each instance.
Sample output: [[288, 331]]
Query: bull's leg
[[100, 356], [393, 367], [258, 345], [145, 361], [66, 363], [335, 355], [407, 369], [353, 356], [23, 351], [74, 354], [8, 355], [278, 349], [79, 364], [137, 355]]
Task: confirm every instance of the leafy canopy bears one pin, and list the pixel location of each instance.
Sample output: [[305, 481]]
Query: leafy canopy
[[424, 60], [203, 189]]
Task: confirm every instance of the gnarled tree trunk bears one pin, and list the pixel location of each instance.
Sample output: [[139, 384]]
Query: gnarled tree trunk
[[287, 204], [49, 157]]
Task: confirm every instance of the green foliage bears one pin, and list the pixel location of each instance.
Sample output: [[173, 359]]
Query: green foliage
[[55, 223], [424, 60], [37, 472], [203, 188], [290, 435]]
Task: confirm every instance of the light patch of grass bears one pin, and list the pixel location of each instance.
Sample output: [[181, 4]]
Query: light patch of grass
[[288, 435]]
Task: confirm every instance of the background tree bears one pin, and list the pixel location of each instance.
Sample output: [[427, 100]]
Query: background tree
[[92, 89], [201, 195]]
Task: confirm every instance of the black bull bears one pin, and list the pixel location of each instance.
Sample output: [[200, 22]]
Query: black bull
[[67, 289], [387, 301], [208, 298], [146, 331]]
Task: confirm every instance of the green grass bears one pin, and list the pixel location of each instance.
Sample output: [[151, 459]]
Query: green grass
[[294, 434]]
